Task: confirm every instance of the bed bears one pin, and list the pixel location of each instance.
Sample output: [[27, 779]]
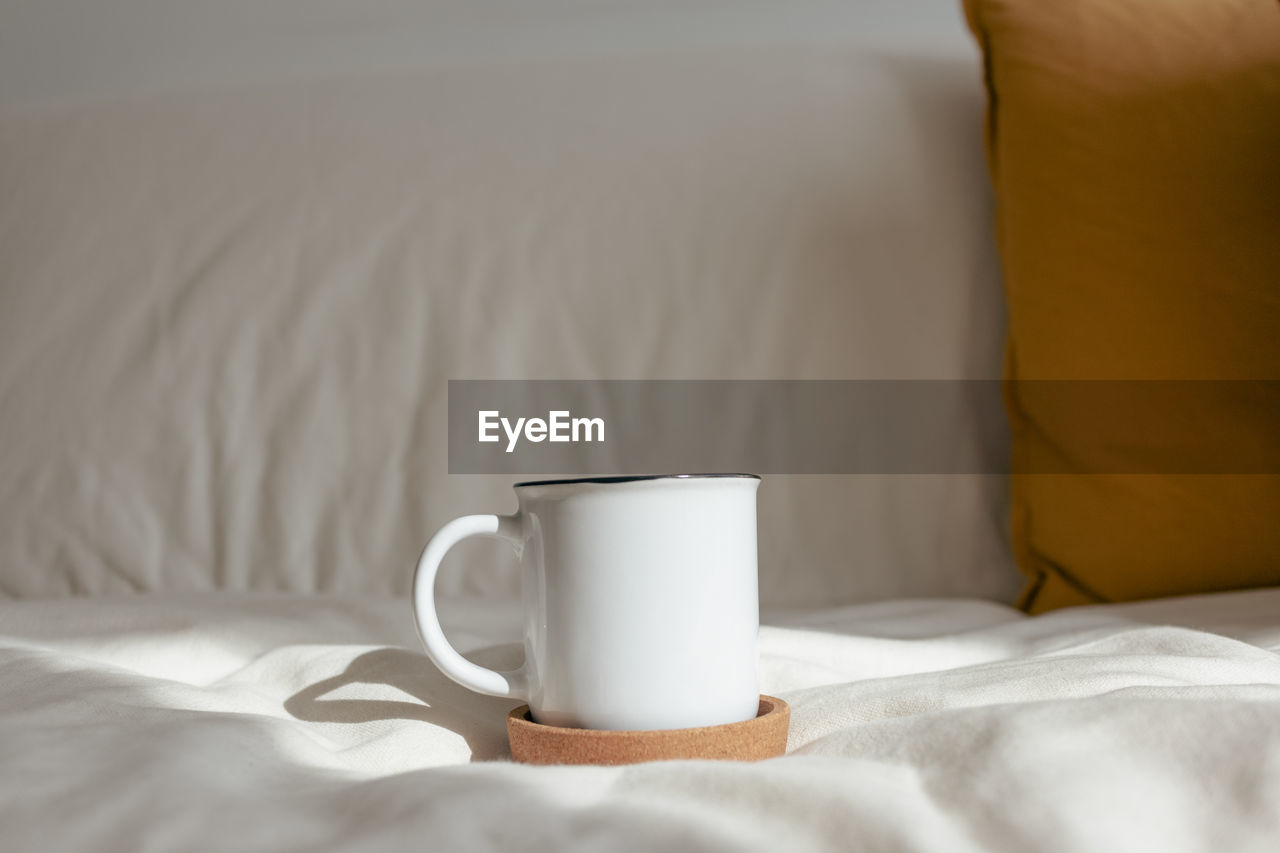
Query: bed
[[232, 722], [238, 266]]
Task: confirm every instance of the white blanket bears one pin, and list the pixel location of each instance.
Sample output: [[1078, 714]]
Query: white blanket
[[256, 723]]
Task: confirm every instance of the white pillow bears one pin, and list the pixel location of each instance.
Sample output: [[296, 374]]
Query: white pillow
[[227, 319]]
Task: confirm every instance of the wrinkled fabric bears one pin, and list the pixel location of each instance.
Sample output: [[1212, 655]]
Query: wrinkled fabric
[[260, 723], [228, 317]]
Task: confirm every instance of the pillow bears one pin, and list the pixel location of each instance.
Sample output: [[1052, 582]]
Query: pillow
[[228, 316], [1135, 150]]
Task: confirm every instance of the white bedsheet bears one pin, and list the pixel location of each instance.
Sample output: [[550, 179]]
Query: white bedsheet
[[255, 723]]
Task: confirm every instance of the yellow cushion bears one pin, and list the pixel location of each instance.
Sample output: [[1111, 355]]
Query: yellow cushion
[[1135, 150]]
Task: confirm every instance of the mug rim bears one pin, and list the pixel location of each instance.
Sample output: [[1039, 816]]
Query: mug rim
[[633, 479]]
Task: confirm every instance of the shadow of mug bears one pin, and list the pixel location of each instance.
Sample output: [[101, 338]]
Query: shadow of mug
[[479, 720]]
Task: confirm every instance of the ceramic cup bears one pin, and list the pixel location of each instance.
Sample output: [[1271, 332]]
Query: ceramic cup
[[641, 604]]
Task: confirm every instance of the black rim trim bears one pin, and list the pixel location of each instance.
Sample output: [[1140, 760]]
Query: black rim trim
[[636, 479]]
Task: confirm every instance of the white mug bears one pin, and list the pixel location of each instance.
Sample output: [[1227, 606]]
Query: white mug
[[641, 601]]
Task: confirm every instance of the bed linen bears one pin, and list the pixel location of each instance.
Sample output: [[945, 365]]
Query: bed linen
[[256, 722], [228, 314]]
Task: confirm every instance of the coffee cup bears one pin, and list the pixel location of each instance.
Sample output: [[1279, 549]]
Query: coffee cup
[[640, 601]]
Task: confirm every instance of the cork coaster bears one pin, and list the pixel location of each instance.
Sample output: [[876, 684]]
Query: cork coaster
[[750, 740]]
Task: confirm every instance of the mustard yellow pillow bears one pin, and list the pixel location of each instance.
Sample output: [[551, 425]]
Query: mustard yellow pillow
[[1134, 146]]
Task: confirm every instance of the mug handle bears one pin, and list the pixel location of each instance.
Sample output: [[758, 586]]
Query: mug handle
[[508, 685]]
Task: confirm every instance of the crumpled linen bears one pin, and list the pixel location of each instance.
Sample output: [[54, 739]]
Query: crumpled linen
[[289, 722]]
